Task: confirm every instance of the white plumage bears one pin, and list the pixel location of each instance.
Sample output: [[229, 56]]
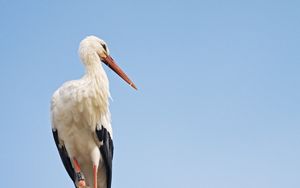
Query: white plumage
[[80, 107]]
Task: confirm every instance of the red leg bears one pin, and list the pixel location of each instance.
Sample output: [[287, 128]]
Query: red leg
[[80, 179], [76, 165], [95, 175]]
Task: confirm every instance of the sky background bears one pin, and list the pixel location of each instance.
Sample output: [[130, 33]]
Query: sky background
[[218, 104]]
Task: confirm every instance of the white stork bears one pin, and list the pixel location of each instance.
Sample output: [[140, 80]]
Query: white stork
[[81, 123]]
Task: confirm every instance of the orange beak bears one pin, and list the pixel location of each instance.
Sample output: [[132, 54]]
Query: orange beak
[[109, 61]]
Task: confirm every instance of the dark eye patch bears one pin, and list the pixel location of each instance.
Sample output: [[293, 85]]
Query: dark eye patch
[[104, 46]]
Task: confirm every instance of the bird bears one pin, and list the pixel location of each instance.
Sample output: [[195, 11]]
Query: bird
[[81, 120]]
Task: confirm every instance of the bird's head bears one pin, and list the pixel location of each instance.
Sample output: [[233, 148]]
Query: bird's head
[[92, 49]]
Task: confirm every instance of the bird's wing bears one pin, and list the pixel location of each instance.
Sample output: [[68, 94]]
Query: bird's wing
[[107, 151], [64, 156]]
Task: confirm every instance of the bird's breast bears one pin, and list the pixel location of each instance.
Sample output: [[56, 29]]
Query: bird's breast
[[80, 107], [90, 109]]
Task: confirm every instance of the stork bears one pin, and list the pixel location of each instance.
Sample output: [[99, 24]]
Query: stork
[[81, 122]]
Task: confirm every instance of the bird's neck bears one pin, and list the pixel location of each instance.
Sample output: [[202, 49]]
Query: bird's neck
[[96, 75], [97, 87]]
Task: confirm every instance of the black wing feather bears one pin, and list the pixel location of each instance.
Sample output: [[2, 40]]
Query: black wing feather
[[64, 156], [107, 152]]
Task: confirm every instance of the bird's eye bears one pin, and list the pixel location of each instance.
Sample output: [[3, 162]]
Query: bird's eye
[[104, 46]]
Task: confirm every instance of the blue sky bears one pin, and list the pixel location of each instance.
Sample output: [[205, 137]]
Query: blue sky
[[218, 99]]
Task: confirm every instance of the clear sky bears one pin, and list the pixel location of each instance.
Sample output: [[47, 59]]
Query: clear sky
[[218, 104]]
